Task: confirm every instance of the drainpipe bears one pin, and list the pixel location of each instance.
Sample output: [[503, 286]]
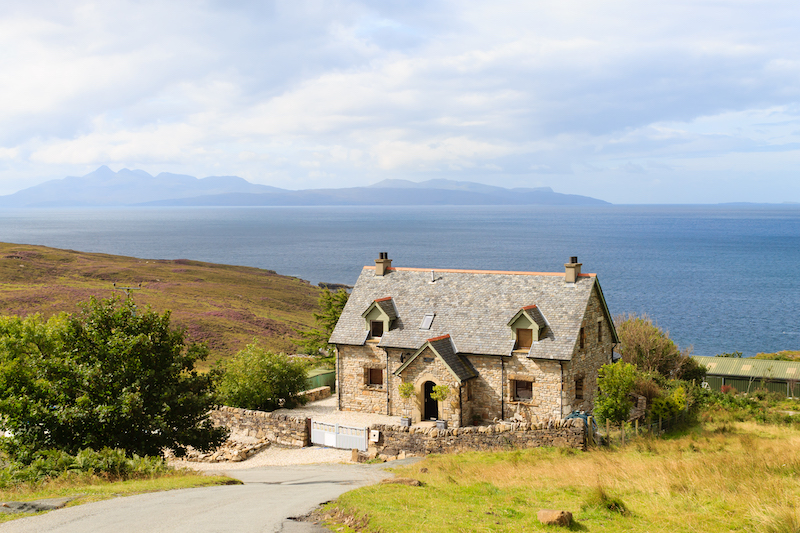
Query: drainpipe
[[502, 388], [460, 408], [561, 396], [338, 375], [388, 394]]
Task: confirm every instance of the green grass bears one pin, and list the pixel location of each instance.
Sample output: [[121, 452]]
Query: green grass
[[222, 305], [91, 489], [739, 476]]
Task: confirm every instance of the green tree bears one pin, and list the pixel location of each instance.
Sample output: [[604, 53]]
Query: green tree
[[644, 344], [258, 379], [616, 382], [331, 305], [111, 376]]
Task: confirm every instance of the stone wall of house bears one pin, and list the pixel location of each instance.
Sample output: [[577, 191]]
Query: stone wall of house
[[279, 429], [586, 362], [428, 367], [396, 441], [491, 385], [354, 393]]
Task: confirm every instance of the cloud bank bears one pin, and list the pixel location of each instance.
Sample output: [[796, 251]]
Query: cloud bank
[[626, 101]]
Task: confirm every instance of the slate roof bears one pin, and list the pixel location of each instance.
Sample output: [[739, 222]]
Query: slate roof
[[536, 314], [473, 307], [387, 307], [444, 347]]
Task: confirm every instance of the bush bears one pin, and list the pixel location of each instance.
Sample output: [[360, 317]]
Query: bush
[[616, 382], [111, 464], [644, 344], [112, 376], [258, 379]]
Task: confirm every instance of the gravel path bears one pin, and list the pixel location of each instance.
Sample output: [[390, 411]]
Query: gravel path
[[324, 411]]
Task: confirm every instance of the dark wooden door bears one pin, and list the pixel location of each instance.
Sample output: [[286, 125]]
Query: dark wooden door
[[431, 405]]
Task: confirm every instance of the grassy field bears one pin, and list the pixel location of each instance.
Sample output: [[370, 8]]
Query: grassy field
[[94, 489], [222, 305], [717, 476]]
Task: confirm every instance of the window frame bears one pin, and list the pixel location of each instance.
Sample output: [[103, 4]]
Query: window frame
[[579, 386], [582, 338], [518, 343], [515, 386], [369, 374], [372, 328]]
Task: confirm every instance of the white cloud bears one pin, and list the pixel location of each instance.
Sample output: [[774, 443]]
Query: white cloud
[[305, 93]]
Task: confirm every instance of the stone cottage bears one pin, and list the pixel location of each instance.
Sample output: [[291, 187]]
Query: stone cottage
[[505, 343]]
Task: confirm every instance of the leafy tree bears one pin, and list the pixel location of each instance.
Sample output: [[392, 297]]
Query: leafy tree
[[111, 376], [644, 344], [331, 305], [733, 355], [616, 382], [784, 355], [258, 379]]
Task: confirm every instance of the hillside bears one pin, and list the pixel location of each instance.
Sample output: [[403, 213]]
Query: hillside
[[222, 305]]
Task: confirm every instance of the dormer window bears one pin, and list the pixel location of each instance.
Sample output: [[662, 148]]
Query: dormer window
[[527, 326], [379, 316], [524, 338]]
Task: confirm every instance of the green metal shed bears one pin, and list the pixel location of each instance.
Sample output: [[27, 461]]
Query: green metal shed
[[748, 375]]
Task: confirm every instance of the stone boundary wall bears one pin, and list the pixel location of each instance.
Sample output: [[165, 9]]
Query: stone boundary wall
[[280, 429], [320, 393], [400, 441]]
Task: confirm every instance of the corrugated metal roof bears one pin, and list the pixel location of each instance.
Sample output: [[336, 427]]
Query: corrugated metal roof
[[749, 368]]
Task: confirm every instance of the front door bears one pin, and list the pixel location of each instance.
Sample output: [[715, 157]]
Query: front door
[[431, 405]]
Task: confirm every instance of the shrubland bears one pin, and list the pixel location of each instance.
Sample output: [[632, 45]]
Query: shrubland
[[223, 306]]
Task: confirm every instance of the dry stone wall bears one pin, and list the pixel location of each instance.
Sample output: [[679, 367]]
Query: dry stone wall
[[397, 441], [280, 429]]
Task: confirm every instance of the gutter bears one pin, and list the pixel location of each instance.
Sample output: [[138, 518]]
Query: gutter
[[502, 388]]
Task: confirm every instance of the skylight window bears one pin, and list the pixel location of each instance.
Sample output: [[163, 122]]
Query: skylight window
[[427, 321]]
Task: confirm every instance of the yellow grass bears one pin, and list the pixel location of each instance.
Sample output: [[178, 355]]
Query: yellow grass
[[720, 478]]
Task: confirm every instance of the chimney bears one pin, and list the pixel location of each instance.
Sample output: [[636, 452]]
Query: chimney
[[573, 270], [382, 264]]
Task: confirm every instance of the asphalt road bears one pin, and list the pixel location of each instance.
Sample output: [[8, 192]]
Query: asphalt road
[[269, 497]]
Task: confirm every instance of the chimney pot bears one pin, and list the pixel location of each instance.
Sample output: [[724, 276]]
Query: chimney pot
[[573, 270], [382, 264]]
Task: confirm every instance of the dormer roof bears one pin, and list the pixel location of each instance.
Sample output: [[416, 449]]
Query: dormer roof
[[443, 348], [533, 313], [386, 305]]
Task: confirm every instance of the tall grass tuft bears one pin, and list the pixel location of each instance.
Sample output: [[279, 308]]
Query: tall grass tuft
[[776, 520], [599, 498]]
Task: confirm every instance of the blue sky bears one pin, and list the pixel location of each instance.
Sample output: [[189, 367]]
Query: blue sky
[[628, 101]]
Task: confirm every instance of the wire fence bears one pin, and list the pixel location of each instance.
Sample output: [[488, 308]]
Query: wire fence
[[621, 433]]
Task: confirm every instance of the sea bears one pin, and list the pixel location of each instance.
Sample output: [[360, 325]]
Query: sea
[[718, 278]]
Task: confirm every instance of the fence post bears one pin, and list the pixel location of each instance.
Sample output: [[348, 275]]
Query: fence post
[[608, 430], [659, 425], [622, 432], [589, 431], [636, 422]]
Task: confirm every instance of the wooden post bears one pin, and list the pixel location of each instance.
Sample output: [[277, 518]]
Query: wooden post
[[659, 424], [636, 422], [608, 430], [622, 432], [589, 431]]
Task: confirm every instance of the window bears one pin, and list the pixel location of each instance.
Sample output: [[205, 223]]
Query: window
[[582, 338], [427, 320], [376, 329], [373, 377], [523, 390], [579, 388], [599, 332], [524, 338]]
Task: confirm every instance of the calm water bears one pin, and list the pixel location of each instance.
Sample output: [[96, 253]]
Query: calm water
[[719, 278]]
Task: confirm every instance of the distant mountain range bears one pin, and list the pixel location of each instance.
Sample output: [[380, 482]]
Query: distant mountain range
[[105, 188]]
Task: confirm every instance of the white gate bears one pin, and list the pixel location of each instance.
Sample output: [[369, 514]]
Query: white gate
[[338, 436]]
